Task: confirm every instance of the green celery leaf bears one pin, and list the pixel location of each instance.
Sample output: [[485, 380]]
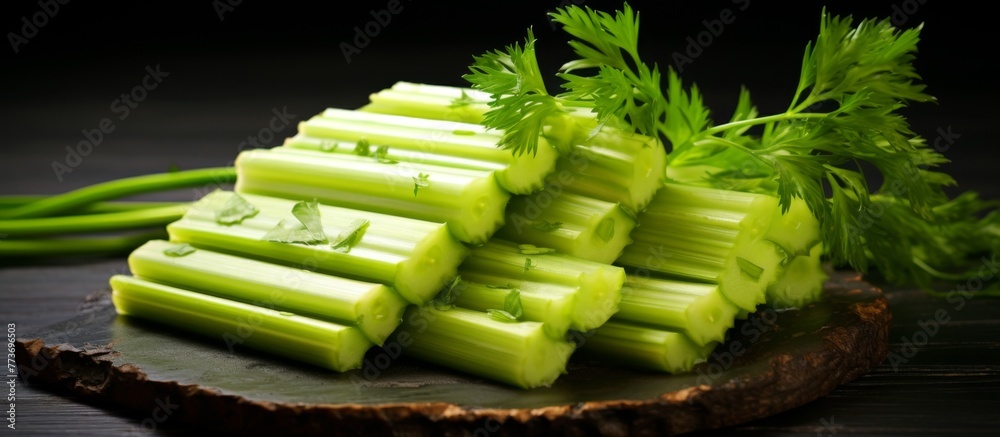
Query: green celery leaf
[[178, 250], [350, 235], [235, 210]]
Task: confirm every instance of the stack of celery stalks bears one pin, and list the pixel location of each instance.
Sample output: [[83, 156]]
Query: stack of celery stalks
[[404, 217], [495, 230]]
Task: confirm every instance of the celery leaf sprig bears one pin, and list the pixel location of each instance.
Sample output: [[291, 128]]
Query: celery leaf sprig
[[520, 105], [843, 120]]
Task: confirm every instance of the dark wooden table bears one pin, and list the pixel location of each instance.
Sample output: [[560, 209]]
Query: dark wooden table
[[228, 78]]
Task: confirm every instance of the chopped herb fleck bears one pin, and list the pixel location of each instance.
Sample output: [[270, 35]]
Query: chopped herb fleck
[[545, 225], [363, 148], [235, 210], [419, 182], [531, 249], [380, 154], [350, 235], [178, 250], [501, 315]]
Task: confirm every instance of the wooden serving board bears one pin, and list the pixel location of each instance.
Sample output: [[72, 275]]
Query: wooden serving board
[[774, 361]]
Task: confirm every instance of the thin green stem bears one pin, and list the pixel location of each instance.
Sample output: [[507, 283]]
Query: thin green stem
[[112, 221], [760, 120], [120, 188], [52, 247], [13, 201]]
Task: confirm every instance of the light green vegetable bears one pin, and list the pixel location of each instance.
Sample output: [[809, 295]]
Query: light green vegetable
[[412, 256], [516, 353], [373, 308], [317, 342], [469, 201]]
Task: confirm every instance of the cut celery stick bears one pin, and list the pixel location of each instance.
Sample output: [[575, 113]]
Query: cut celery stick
[[317, 342], [604, 163], [415, 257], [587, 228], [430, 101], [643, 347], [698, 310], [551, 304], [519, 353], [471, 202], [302, 142], [800, 281], [738, 240], [519, 174], [374, 308], [611, 165], [597, 285]]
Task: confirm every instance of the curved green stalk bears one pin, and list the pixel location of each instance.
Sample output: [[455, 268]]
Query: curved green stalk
[[121, 188], [89, 246], [112, 221]]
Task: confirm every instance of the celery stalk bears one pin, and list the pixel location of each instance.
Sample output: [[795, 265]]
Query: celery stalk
[[430, 101], [519, 174], [414, 257], [572, 224], [738, 240], [800, 282], [305, 143], [551, 304], [649, 348], [471, 202], [698, 310], [317, 342], [374, 308], [603, 162], [596, 286], [519, 354]]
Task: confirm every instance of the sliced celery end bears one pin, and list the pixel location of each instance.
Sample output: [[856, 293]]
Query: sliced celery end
[[801, 281], [613, 165], [527, 173], [471, 202], [796, 231], [432, 264], [520, 354], [648, 348], [374, 308], [746, 288], [550, 304], [598, 298], [587, 228], [312, 341], [595, 287], [699, 310], [392, 251]]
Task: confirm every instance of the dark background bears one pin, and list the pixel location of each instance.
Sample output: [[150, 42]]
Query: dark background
[[227, 76]]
